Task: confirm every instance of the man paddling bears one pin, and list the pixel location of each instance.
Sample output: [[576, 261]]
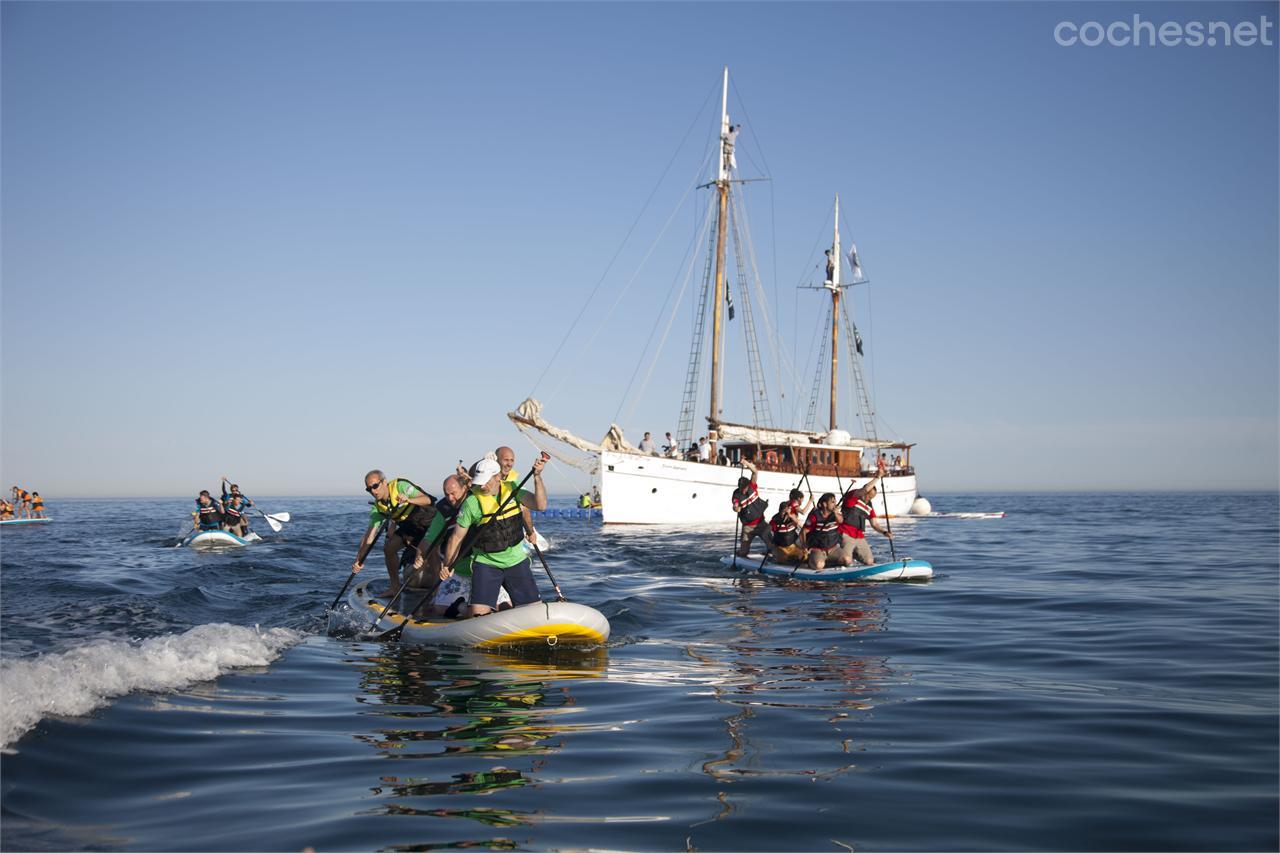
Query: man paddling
[[822, 534], [408, 511], [500, 562], [857, 512], [454, 594], [750, 508]]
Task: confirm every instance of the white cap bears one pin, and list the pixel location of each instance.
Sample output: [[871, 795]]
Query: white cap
[[485, 470]]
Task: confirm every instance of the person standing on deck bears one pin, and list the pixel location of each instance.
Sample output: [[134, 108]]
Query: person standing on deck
[[853, 537], [704, 450], [499, 560], [750, 508], [408, 511]]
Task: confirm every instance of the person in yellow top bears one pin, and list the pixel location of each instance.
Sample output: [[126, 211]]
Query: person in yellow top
[[37, 505], [408, 511], [510, 479], [6, 510]]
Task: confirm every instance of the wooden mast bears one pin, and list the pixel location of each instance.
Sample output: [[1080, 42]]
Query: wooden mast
[[717, 327], [834, 286]]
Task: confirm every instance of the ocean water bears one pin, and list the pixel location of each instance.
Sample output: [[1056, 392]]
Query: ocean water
[[1091, 672]]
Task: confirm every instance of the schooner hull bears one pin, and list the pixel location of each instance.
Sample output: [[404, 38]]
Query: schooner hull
[[636, 489]]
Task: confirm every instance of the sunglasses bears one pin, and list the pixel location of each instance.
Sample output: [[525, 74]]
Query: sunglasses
[[370, 489]]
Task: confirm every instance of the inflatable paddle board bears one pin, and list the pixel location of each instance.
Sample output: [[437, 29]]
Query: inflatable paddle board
[[219, 539], [897, 570], [26, 521], [543, 623]]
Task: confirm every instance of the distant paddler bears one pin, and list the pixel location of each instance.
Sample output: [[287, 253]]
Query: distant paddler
[[245, 501], [500, 562], [408, 511], [208, 512], [750, 508], [37, 505]]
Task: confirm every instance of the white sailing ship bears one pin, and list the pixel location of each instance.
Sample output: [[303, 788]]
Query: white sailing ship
[[643, 488]]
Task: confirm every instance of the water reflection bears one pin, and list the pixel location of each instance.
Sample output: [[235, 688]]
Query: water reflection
[[788, 667], [479, 722]]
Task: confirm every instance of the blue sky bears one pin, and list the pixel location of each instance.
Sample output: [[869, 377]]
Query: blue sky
[[294, 241]]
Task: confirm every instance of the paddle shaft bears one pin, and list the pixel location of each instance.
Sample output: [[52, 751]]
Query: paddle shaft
[[884, 495], [547, 569], [350, 577]]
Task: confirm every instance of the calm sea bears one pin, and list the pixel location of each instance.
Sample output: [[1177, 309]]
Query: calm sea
[[1092, 672]]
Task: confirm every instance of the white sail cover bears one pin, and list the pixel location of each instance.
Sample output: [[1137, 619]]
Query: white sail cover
[[764, 435], [528, 419]]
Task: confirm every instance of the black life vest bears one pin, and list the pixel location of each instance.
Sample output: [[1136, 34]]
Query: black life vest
[[501, 527], [784, 527], [749, 511], [856, 512], [825, 533], [209, 516], [231, 515]]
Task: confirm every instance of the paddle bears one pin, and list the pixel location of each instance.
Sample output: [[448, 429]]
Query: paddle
[[186, 530], [543, 560], [364, 552], [887, 526], [464, 548], [272, 521]]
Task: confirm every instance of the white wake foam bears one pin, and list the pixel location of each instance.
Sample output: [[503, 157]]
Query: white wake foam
[[76, 682]]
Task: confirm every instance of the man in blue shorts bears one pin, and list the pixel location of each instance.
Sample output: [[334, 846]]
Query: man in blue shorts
[[499, 560]]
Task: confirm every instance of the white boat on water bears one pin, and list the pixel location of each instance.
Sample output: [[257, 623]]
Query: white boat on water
[[642, 488]]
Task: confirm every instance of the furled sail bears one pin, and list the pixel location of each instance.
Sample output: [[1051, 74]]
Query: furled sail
[[528, 419]]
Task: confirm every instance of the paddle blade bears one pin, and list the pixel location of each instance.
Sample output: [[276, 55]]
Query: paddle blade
[[273, 524], [278, 516]]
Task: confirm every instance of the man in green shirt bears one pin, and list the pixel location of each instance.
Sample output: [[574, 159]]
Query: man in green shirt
[[408, 512], [499, 559]]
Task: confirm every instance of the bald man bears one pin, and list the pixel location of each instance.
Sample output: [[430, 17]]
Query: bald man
[[408, 511], [507, 463]]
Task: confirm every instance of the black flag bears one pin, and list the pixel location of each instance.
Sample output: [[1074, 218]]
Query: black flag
[[729, 297]]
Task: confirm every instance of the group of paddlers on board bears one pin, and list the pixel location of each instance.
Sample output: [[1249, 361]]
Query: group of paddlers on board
[[229, 514], [21, 504], [463, 553], [833, 534]]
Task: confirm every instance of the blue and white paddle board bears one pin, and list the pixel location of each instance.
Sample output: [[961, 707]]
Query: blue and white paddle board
[[897, 570], [26, 521]]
